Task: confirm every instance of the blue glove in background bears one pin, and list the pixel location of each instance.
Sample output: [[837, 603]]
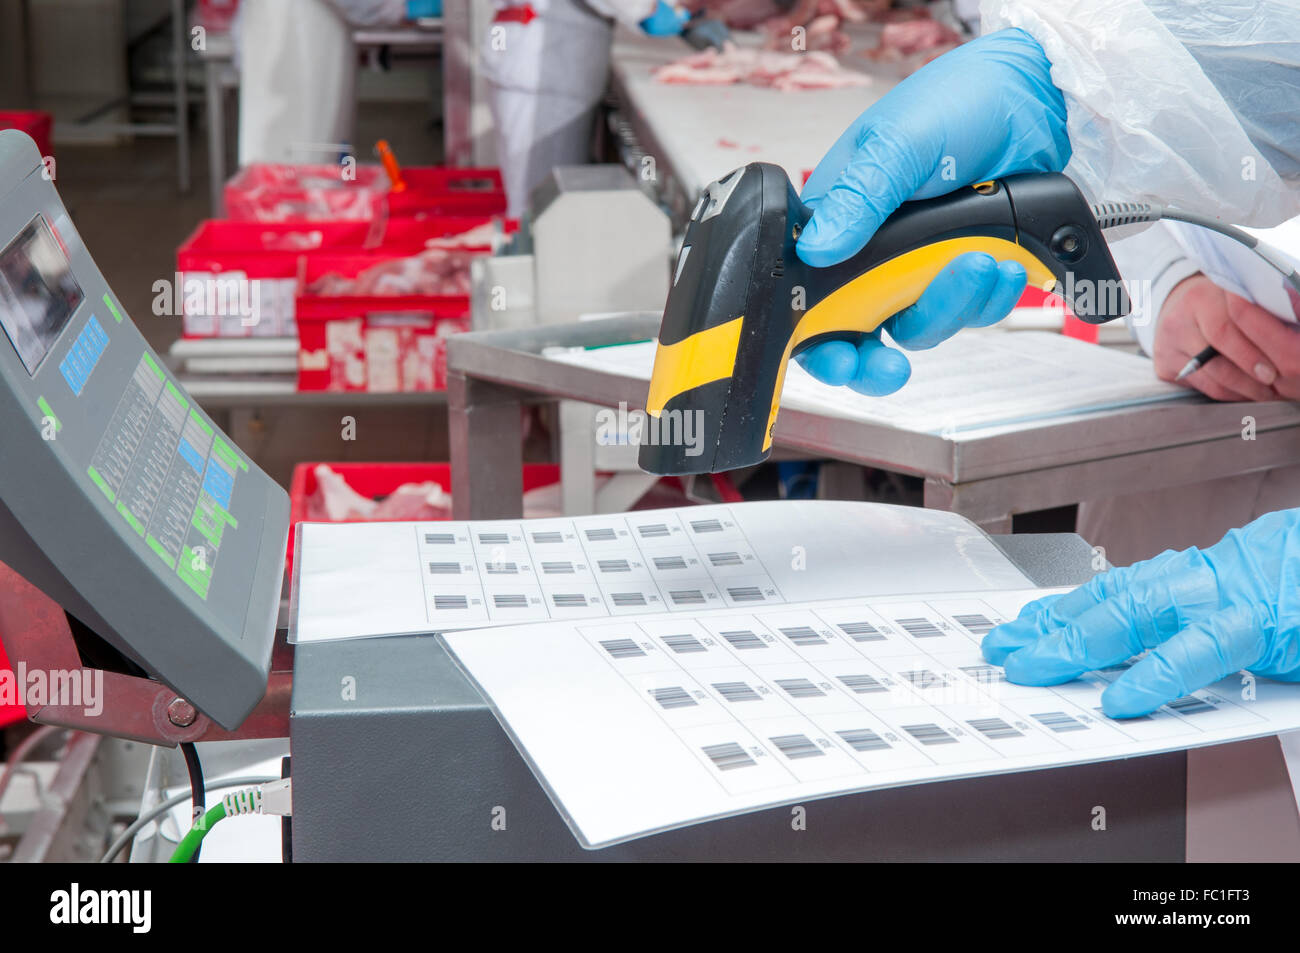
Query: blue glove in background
[[1204, 614], [982, 111], [415, 9], [665, 21]]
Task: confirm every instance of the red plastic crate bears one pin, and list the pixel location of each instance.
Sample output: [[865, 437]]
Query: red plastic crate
[[269, 252], [216, 15], [9, 713], [35, 124], [438, 190], [379, 479]]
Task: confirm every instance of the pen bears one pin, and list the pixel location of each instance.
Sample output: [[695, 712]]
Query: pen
[[1196, 363]]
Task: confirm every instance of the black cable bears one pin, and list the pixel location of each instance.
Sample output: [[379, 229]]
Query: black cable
[[197, 797]]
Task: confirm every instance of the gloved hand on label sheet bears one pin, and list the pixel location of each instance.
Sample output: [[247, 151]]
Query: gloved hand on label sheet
[[985, 110], [1204, 614]]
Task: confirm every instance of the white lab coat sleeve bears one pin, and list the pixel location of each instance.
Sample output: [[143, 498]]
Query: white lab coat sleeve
[[1151, 263], [1177, 102], [630, 12], [370, 13]]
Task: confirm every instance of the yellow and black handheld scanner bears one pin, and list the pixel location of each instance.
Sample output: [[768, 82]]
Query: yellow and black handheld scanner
[[742, 303]]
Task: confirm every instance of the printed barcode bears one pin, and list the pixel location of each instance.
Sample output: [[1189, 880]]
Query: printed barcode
[[736, 692], [985, 674], [800, 688], [568, 600], [919, 628], [670, 562], [510, 601], [802, 635], [797, 746], [1060, 721], [682, 644], [444, 569], [728, 756], [502, 569], [628, 598], [862, 684], [622, 648], [439, 539], [451, 602], [706, 526], [863, 739], [493, 539], [601, 535], [553, 568], [861, 631], [745, 593], [686, 597], [614, 565], [744, 640], [651, 530], [674, 697], [725, 559], [974, 624], [930, 734], [922, 678], [1190, 705], [547, 537], [994, 728]]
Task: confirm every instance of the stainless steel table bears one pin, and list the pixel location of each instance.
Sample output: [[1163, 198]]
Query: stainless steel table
[[986, 475]]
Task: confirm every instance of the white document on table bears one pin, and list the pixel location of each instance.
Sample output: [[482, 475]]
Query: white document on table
[[972, 381], [636, 726], [360, 580]]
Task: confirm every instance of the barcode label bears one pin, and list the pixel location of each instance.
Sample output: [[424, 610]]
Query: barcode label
[[614, 565], [922, 678], [919, 628], [797, 746], [674, 697], [745, 593], [439, 539], [973, 623], [653, 530], [863, 739], [725, 559], [1059, 721], [601, 535], [1097, 708], [930, 734], [686, 597], [450, 602], [737, 692], [510, 601], [1190, 705], [568, 600], [994, 728], [556, 568], [861, 631], [800, 688], [728, 756], [622, 648], [502, 569], [444, 569], [628, 598], [802, 635], [862, 684], [548, 537], [670, 562], [684, 643], [744, 640], [706, 526], [493, 539], [985, 674]]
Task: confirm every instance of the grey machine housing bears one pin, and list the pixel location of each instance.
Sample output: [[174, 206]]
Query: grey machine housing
[[64, 501]]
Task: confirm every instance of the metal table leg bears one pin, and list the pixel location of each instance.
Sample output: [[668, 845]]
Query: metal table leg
[[216, 134], [182, 95], [487, 454]]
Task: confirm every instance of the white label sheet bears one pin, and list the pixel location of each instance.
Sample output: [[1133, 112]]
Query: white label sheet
[[642, 725]]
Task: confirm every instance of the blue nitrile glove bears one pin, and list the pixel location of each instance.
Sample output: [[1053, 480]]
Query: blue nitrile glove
[[1204, 614], [415, 9], [667, 20], [982, 111]]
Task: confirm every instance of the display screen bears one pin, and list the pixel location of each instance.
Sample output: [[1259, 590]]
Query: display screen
[[38, 294]]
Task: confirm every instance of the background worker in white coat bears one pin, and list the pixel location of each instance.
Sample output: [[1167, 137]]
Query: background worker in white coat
[[546, 63]]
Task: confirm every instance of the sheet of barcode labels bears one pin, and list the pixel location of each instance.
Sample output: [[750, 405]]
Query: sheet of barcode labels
[[648, 723]]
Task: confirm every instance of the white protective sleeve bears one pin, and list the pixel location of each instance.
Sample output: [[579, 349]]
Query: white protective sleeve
[[630, 12], [1153, 262], [1178, 102]]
